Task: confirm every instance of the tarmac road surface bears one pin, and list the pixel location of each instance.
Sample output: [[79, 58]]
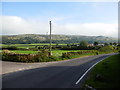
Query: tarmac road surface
[[62, 74]]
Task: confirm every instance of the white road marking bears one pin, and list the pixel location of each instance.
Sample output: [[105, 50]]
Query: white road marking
[[88, 71]]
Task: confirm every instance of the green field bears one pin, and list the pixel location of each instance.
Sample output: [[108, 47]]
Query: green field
[[27, 45], [57, 52], [24, 51], [54, 52], [108, 72]]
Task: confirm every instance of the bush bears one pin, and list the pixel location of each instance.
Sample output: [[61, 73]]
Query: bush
[[97, 53], [11, 48], [53, 58], [66, 55], [119, 52], [7, 55]]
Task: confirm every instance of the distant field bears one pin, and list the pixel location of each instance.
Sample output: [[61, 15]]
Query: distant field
[[24, 51], [27, 45], [59, 52], [54, 52]]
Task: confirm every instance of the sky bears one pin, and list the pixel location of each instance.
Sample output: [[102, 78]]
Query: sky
[[69, 18]]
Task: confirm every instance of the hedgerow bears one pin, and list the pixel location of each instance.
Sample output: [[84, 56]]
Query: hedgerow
[[70, 54], [42, 56]]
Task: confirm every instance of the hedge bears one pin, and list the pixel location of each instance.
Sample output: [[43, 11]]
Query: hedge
[[42, 56]]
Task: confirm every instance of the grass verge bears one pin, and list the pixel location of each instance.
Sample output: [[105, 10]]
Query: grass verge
[[106, 74]]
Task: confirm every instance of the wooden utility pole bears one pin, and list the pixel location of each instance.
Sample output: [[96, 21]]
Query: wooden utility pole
[[50, 49]]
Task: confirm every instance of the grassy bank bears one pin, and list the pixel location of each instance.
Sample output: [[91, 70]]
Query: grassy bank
[[106, 74]]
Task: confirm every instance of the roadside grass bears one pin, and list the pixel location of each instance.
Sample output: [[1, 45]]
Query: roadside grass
[[106, 74]]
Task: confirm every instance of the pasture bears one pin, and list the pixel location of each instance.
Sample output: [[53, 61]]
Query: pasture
[[25, 46], [54, 52], [24, 52]]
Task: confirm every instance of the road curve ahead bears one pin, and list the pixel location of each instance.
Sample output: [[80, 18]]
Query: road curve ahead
[[63, 74]]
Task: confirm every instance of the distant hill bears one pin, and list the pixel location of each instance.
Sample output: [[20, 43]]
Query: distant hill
[[37, 38]]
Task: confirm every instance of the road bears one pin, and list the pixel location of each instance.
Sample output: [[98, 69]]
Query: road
[[63, 74], [8, 67]]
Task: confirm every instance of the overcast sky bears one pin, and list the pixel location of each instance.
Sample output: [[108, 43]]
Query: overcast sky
[[70, 18]]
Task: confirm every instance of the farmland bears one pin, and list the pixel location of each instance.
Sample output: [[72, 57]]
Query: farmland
[[39, 52], [27, 45], [54, 52]]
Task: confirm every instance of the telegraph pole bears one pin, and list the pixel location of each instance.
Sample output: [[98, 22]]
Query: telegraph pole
[[50, 49]]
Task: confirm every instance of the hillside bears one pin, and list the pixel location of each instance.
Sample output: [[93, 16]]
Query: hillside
[[37, 38]]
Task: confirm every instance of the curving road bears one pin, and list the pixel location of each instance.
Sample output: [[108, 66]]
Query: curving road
[[63, 74]]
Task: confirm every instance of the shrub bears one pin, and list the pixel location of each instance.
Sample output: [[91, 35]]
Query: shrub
[[65, 55], [119, 52], [7, 55], [11, 48], [53, 58]]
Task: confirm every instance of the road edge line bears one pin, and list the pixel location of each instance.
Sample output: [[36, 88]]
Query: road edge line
[[88, 71]]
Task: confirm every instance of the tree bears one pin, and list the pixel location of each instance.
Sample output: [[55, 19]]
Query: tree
[[35, 46], [111, 43], [83, 45], [69, 45], [115, 43], [39, 48], [106, 44], [57, 44], [95, 43]]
